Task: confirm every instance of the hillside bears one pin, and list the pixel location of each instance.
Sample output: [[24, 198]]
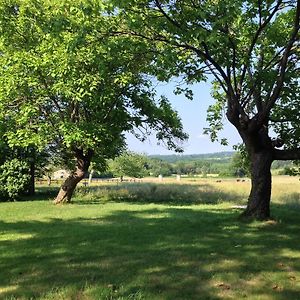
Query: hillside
[[218, 156]]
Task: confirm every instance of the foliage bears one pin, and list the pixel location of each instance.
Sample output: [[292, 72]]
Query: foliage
[[14, 179], [249, 47], [68, 82], [233, 164], [173, 158], [160, 167], [293, 170], [40, 160], [196, 164], [241, 162], [129, 164]]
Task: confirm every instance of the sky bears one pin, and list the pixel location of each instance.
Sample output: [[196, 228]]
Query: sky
[[193, 115]]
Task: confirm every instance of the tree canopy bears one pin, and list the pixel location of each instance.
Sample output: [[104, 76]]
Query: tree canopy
[[251, 48], [129, 164], [66, 81]]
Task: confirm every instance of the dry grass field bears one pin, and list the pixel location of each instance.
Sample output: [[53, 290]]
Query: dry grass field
[[285, 189]]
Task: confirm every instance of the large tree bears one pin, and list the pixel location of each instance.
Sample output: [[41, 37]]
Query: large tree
[[251, 48], [66, 82]]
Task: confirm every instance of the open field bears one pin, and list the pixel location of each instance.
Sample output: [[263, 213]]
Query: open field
[[152, 241]]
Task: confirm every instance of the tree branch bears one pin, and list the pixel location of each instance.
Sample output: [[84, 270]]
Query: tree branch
[[174, 22], [255, 39], [293, 154], [283, 64]]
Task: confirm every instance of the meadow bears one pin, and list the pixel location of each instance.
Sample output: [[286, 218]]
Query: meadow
[[150, 240]]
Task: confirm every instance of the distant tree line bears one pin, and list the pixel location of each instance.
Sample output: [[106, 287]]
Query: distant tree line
[[227, 164]]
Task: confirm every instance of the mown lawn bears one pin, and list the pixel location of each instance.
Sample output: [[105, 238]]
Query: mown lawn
[[134, 250]]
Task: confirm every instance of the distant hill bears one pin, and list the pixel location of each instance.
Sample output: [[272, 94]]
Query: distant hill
[[218, 156]]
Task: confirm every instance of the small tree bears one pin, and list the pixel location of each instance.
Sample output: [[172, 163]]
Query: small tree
[[240, 162], [158, 167], [129, 164]]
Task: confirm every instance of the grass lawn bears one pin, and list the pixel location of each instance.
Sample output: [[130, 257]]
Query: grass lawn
[[109, 249]]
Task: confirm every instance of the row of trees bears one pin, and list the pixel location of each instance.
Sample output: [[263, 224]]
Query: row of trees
[[75, 75], [138, 166]]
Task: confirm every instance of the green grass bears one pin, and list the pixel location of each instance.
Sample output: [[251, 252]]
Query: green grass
[[134, 250]]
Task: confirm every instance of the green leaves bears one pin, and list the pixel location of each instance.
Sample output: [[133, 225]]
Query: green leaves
[[69, 77], [129, 164], [215, 115], [249, 47], [14, 179]]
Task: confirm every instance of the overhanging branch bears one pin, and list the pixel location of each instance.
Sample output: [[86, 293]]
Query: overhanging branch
[[283, 64], [293, 154], [256, 37]]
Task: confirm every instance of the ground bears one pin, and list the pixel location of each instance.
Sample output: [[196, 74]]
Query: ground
[[113, 244]]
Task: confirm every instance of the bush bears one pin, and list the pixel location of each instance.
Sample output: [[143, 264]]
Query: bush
[[14, 179]]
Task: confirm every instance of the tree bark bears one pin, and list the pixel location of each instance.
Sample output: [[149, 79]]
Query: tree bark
[[49, 180], [91, 177], [261, 184], [67, 188], [32, 159], [31, 189]]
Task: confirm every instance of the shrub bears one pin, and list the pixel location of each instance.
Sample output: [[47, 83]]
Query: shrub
[[14, 179]]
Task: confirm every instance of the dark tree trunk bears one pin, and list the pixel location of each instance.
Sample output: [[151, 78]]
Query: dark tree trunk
[[261, 184], [261, 153], [49, 180], [31, 189], [67, 189]]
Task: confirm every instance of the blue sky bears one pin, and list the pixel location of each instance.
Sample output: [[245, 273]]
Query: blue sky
[[193, 115]]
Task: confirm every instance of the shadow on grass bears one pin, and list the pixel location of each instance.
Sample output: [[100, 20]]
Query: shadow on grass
[[291, 200], [42, 194], [170, 194], [163, 253]]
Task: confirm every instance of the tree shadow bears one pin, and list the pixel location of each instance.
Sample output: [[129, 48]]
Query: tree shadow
[[166, 253], [42, 193]]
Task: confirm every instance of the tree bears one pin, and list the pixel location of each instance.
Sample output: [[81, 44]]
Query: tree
[[251, 48], [159, 167], [26, 156], [240, 162], [129, 164], [67, 83]]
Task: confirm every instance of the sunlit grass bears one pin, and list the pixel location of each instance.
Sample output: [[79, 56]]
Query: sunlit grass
[[180, 248]]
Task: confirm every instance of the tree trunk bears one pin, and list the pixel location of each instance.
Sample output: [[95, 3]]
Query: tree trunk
[[91, 177], [260, 196], [67, 189], [31, 189], [49, 180]]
